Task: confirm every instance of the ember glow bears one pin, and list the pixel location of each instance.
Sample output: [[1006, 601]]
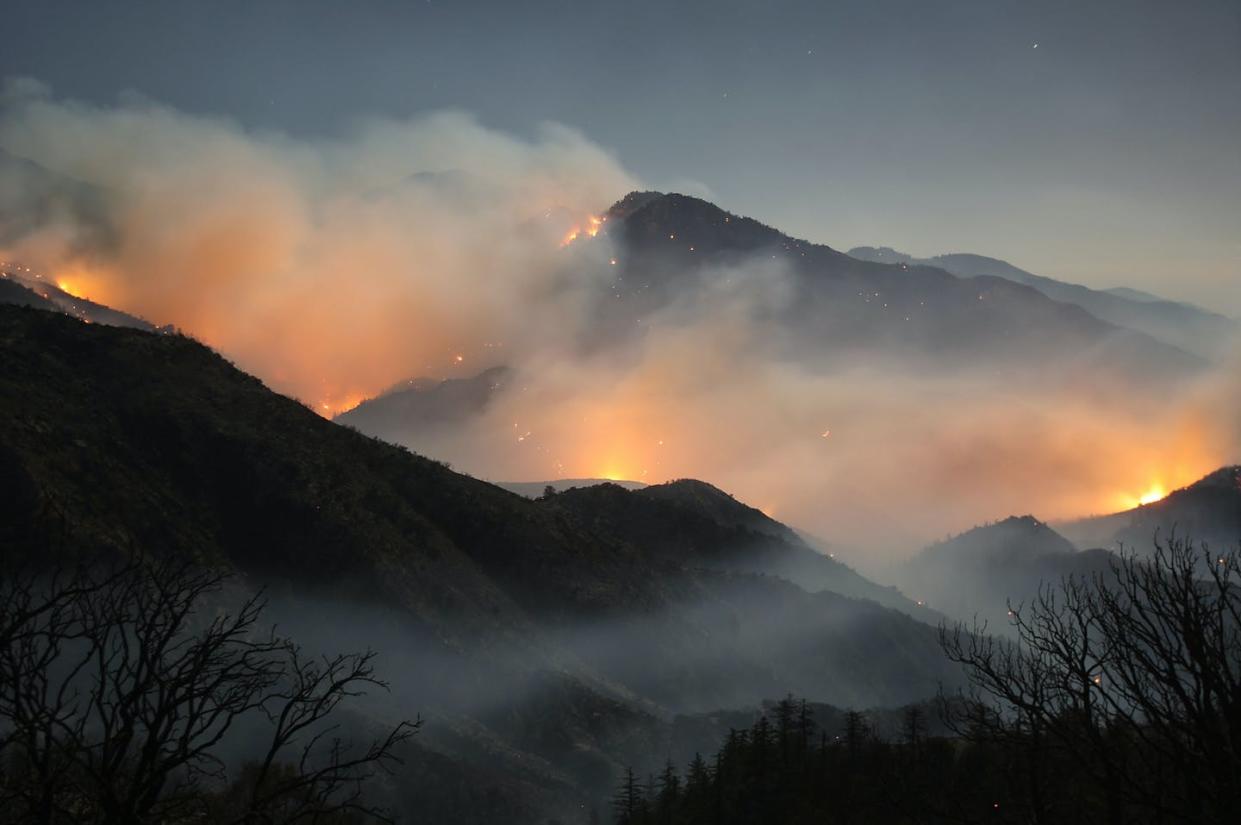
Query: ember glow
[[335, 270], [589, 227], [1155, 493], [71, 289]]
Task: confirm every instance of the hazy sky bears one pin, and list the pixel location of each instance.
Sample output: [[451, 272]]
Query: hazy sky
[[1093, 140]]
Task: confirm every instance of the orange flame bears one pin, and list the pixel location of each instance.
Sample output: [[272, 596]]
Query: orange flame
[[335, 405], [591, 227], [1153, 494], [71, 289]]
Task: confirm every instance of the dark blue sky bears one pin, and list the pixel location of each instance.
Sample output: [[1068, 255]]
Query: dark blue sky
[[1109, 154]]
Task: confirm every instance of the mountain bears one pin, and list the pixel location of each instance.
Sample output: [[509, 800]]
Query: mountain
[[23, 290], [821, 308], [981, 571], [1207, 511], [837, 307], [546, 643], [414, 411], [1181, 325]]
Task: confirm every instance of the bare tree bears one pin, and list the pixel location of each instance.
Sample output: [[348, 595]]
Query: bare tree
[[118, 688], [1133, 674]]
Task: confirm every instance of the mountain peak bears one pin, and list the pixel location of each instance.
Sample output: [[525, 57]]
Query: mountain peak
[[655, 220], [632, 202], [1012, 538]]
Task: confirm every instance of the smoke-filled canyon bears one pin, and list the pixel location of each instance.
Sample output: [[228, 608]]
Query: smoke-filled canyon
[[437, 247]]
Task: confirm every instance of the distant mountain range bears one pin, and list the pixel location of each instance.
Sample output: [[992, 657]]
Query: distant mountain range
[[547, 641], [840, 307], [1188, 327]]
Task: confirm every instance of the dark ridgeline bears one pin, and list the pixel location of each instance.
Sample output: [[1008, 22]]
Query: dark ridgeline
[[839, 307], [1182, 325]]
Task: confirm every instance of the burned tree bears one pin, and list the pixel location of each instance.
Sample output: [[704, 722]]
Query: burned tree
[[119, 689], [1132, 675]]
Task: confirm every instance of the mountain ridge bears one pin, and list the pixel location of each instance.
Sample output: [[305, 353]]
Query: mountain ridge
[[1183, 325]]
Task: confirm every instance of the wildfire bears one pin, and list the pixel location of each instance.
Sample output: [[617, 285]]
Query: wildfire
[[590, 228], [71, 288], [1153, 494], [331, 407]]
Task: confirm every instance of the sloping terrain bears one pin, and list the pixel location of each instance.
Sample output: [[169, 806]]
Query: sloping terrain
[[529, 632], [414, 412], [31, 292], [1207, 511], [702, 525]]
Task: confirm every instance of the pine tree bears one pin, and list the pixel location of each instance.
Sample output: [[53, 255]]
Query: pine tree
[[856, 733], [628, 802], [669, 798]]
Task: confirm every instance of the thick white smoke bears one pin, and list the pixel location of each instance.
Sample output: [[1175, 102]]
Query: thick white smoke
[[333, 268]]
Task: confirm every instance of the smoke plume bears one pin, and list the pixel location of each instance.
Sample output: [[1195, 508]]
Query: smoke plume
[[335, 268]]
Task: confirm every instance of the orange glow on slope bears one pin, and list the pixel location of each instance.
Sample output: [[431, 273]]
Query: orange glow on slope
[[72, 289], [590, 227], [333, 406], [1155, 493], [81, 280]]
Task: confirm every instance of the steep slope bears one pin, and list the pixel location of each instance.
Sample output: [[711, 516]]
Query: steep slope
[[1181, 325], [523, 629], [32, 292], [981, 571], [1207, 511]]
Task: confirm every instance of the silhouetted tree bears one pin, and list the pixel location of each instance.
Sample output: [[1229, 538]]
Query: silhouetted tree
[[1135, 674], [118, 687], [629, 801]]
